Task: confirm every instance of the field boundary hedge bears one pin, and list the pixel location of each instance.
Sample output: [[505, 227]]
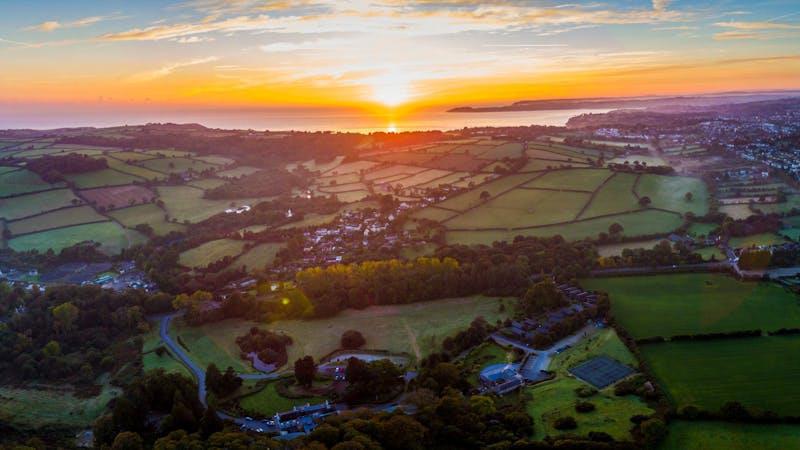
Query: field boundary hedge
[[50, 211], [64, 226], [593, 196]]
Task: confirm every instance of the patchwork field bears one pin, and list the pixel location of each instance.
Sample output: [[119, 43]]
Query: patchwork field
[[237, 172], [756, 240], [575, 203], [258, 257], [22, 182], [417, 328], [27, 205], [118, 197], [669, 305], [101, 178], [149, 214], [616, 249], [210, 252], [137, 171], [758, 372], [186, 203], [113, 238], [55, 219]]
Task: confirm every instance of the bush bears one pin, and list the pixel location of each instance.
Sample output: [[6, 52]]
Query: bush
[[600, 436], [584, 407], [565, 423], [352, 339], [585, 391]]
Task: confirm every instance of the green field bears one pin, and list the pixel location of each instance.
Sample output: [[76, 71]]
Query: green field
[[553, 399], [113, 238], [52, 407], [187, 203], [27, 205], [215, 159], [614, 197], [697, 229], [134, 170], [616, 249], [472, 198], [55, 219], [258, 257], [756, 240], [176, 165], [131, 156], [149, 214], [100, 178], [669, 305], [482, 356], [635, 224], [668, 192], [267, 402], [210, 252], [522, 208], [574, 179], [685, 435], [708, 252], [417, 328], [207, 183], [22, 182], [759, 372]]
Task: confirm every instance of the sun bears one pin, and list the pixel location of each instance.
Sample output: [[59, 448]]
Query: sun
[[390, 90]]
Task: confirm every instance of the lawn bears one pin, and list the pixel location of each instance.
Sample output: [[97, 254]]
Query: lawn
[[267, 402], [417, 328], [615, 196], [55, 219], [258, 257], [557, 398], [482, 356], [149, 214], [575, 179], [668, 192], [668, 305], [101, 178], [27, 205], [209, 252], [756, 240], [685, 435], [35, 408], [522, 208], [112, 237], [22, 182], [758, 372], [635, 224]]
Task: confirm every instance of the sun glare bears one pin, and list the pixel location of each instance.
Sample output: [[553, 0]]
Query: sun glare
[[391, 90]]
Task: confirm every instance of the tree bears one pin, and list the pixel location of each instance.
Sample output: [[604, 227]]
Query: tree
[[615, 228], [402, 432], [304, 371], [352, 339], [542, 296], [653, 431], [565, 423], [688, 196], [52, 349], [485, 195], [65, 315], [645, 201], [128, 440]]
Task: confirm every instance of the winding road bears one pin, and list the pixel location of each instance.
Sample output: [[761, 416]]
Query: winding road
[[200, 375]]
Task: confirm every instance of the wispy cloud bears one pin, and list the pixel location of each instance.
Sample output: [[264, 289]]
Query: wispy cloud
[[169, 69], [52, 25], [763, 30]]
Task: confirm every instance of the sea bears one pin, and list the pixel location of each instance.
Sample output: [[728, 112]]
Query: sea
[[282, 120]]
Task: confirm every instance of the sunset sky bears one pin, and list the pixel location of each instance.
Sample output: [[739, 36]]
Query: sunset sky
[[386, 53]]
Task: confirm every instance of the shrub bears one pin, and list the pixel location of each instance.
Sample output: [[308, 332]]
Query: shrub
[[585, 391], [352, 339], [565, 423], [584, 407]]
